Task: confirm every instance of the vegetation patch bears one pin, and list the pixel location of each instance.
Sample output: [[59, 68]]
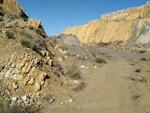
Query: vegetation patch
[[74, 71], [26, 43], [138, 70], [142, 51], [93, 54], [10, 35], [136, 96], [80, 86], [100, 60], [143, 59]]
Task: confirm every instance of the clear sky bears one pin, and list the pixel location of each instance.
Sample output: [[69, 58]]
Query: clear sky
[[56, 15]]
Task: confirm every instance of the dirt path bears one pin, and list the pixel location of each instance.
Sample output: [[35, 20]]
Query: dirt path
[[109, 90]]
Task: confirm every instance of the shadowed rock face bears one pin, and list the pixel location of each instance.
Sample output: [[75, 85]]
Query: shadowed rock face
[[1, 1], [117, 26]]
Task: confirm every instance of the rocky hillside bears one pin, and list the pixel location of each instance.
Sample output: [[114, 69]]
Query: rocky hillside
[[32, 70], [128, 27]]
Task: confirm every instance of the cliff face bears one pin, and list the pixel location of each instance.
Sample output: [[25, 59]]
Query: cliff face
[[118, 26]]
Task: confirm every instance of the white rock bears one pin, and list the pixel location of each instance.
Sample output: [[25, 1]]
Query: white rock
[[13, 65], [24, 98], [38, 94], [30, 94], [33, 68], [42, 82], [61, 103], [76, 81], [70, 100], [14, 99], [60, 59], [15, 86], [82, 67], [7, 74], [15, 76], [37, 87], [95, 67]]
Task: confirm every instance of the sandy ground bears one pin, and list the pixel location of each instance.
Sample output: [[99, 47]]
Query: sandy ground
[[114, 87]]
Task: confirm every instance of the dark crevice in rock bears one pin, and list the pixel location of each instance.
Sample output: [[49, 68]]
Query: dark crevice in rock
[[1, 1], [1, 14]]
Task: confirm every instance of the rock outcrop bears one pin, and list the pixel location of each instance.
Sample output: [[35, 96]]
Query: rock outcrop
[[29, 65], [129, 26], [11, 6]]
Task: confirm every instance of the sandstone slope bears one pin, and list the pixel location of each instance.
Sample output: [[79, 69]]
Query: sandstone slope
[[130, 26]]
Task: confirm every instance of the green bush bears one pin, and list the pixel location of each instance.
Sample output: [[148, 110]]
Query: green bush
[[74, 71], [138, 70], [10, 35], [143, 59], [100, 60], [22, 28], [93, 54], [26, 43]]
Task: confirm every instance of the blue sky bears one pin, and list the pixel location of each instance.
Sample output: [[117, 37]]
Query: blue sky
[[56, 15]]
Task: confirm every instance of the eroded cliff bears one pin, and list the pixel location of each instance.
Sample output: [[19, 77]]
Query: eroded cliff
[[119, 26]]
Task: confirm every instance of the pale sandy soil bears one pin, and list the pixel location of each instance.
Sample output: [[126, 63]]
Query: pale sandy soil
[[114, 87]]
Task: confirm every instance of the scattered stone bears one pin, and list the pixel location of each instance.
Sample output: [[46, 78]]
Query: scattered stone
[[24, 98], [15, 76], [60, 59], [61, 103], [70, 100], [31, 82], [37, 87], [15, 86], [38, 94], [95, 67], [19, 101], [39, 103], [14, 99], [7, 74], [31, 101], [82, 67], [76, 81], [42, 82], [13, 65]]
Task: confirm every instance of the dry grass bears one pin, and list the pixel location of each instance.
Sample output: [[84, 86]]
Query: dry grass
[[80, 86], [74, 71], [100, 60]]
